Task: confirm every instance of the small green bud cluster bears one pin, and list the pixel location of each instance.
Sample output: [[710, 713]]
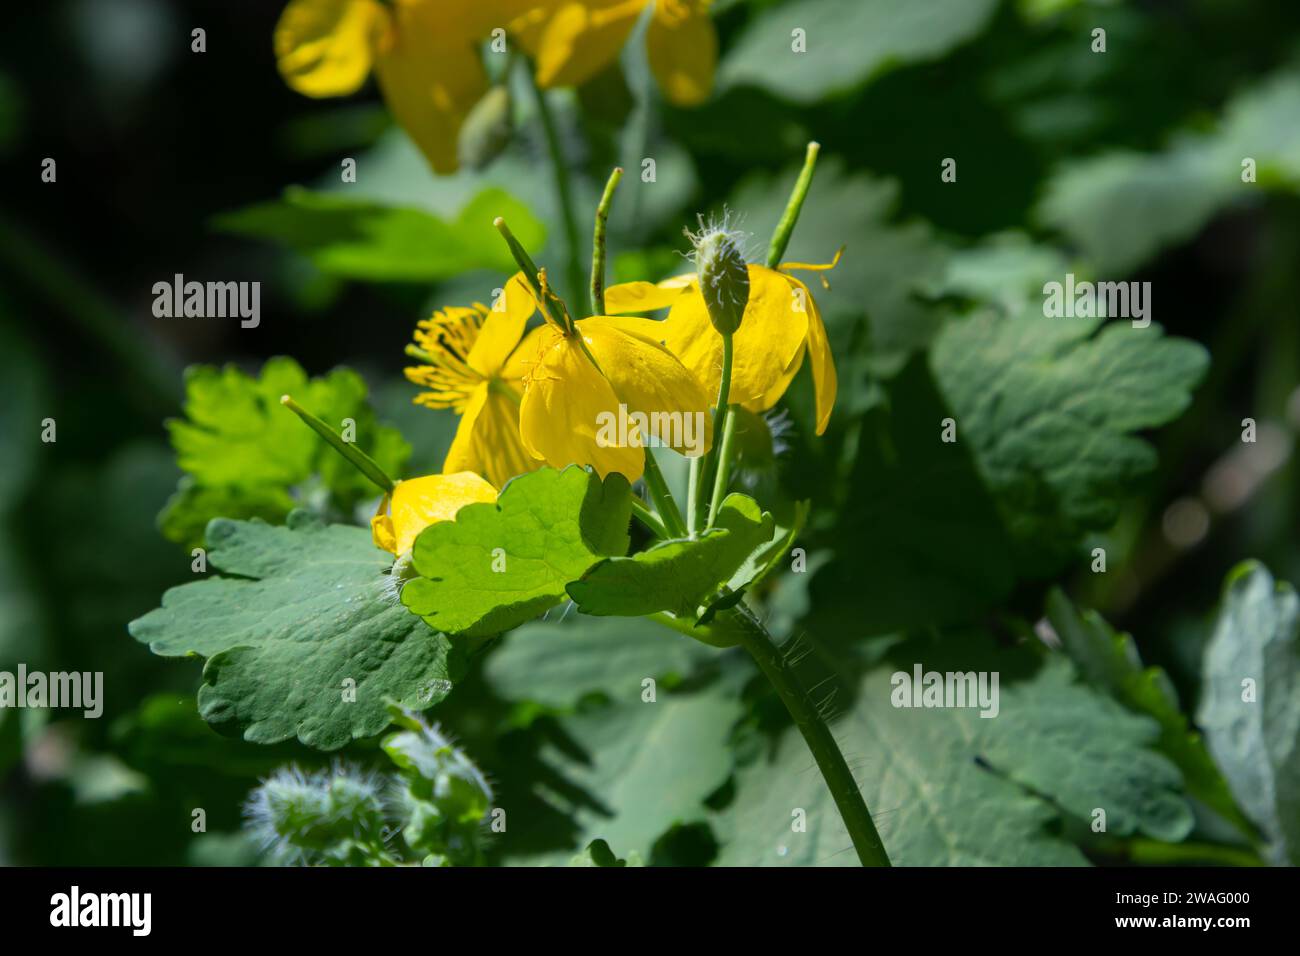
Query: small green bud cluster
[[343, 816], [333, 817], [443, 797]]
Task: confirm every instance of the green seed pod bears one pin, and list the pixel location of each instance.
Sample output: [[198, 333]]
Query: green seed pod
[[724, 276], [487, 129]]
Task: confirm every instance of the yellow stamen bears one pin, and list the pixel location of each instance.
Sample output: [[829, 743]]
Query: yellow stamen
[[814, 267]]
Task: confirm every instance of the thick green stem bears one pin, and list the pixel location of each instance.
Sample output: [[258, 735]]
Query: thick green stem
[[598, 243], [816, 733], [781, 238], [663, 498], [355, 456], [562, 187]]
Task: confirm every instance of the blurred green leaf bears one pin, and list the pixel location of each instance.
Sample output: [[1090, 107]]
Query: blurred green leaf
[[359, 239], [1121, 208], [1109, 661], [885, 35], [631, 771], [499, 565], [304, 637], [1250, 703], [1048, 408], [557, 665], [245, 453]]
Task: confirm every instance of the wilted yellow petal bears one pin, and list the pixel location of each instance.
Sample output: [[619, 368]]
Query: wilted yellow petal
[[487, 439], [683, 50], [431, 78], [563, 408], [420, 502], [581, 39], [649, 380], [326, 47], [767, 345]]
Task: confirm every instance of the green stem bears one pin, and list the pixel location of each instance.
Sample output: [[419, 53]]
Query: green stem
[[816, 733], [649, 519], [355, 456], [724, 466], [693, 496], [781, 238], [562, 187], [663, 498], [598, 243], [715, 466]]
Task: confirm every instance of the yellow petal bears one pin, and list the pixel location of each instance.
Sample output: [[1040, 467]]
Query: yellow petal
[[649, 380], [563, 408], [683, 50], [825, 382], [325, 47], [431, 78], [525, 358], [502, 329], [381, 527], [420, 502], [645, 296], [768, 343], [487, 440], [581, 39]]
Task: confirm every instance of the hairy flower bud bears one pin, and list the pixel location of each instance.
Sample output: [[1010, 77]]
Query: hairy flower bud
[[724, 274]]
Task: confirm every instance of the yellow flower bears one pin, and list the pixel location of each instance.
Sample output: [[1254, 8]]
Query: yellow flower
[[475, 365], [573, 40], [569, 402], [420, 502], [423, 51], [781, 325]]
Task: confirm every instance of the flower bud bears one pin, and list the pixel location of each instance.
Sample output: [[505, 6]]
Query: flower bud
[[487, 129], [724, 276]]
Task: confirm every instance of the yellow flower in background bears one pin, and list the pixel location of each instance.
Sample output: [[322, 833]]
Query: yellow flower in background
[[573, 40], [424, 52], [475, 362], [780, 327], [568, 399], [420, 502]]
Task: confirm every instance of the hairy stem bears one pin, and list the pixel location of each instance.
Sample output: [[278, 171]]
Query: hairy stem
[[755, 638]]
